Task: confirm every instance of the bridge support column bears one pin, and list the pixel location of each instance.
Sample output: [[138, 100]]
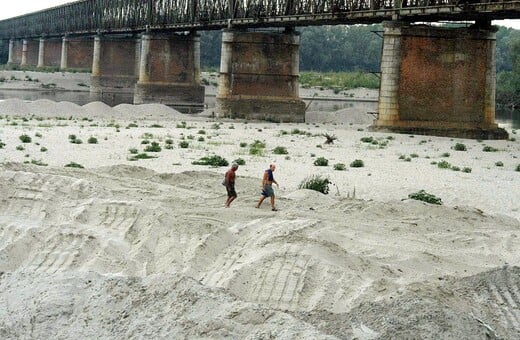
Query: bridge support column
[[438, 81], [169, 72], [114, 70], [10, 61], [259, 77], [41, 53]]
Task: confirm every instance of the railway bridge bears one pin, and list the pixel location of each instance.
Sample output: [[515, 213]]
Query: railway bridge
[[434, 80]]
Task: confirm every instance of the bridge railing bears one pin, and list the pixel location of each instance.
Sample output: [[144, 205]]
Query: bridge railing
[[90, 16]]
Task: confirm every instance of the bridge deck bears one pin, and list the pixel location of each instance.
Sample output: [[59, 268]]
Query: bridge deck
[[132, 16]]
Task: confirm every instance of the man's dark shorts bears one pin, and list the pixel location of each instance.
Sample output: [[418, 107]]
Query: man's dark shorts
[[231, 190], [268, 191]]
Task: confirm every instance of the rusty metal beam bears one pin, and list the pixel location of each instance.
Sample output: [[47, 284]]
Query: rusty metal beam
[[121, 16]]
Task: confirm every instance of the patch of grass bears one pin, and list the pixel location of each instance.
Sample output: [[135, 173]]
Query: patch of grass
[[414, 155], [316, 183], [25, 138], [157, 126], [517, 168], [201, 139], [488, 148], [257, 148], [169, 141], [367, 139], [2, 144], [446, 154], [74, 165], [499, 163], [133, 151], [201, 132], [214, 161], [154, 147], [37, 134], [182, 125], [92, 140], [141, 156], [443, 165], [240, 161], [455, 168], [422, 195], [132, 125], [466, 170], [460, 147], [20, 148], [321, 161], [184, 144], [358, 163], [243, 144], [340, 166], [145, 141], [38, 162], [280, 150], [43, 149]]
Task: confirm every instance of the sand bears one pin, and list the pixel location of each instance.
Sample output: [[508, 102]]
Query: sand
[[146, 249]]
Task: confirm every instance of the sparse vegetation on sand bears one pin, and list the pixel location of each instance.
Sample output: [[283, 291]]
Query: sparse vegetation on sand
[[214, 161], [154, 147], [316, 183], [25, 138], [321, 161], [460, 147], [422, 195], [358, 163], [257, 148], [143, 155], [280, 150], [74, 165], [92, 140], [488, 148], [340, 166]]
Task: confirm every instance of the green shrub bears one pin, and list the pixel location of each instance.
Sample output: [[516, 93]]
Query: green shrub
[[145, 141], [2, 144], [72, 137], [240, 161], [402, 157], [132, 125], [443, 165], [367, 139], [316, 183], [243, 144], [214, 160], [154, 147], [466, 170], [460, 147], [141, 156], [414, 155], [184, 144], [340, 166], [169, 141], [157, 126], [37, 134], [92, 140], [20, 148], [280, 150], [74, 165], [425, 197], [358, 163], [499, 163], [38, 162], [257, 148], [518, 168], [488, 148], [201, 132], [76, 141], [446, 154], [133, 151], [322, 161], [455, 168], [25, 138], [43, 149]]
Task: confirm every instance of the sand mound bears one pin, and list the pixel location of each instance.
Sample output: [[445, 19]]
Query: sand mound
[[14, 107], [148, 110], [99, 109], [122, 243]]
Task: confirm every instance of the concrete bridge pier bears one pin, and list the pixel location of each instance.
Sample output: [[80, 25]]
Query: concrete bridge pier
[[76, 54], [259, 74], [169, 71], [114, 69], [438, 81], [15, 52]]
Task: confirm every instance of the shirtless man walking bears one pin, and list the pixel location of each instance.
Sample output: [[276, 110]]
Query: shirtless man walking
[[230, 184], [267, 187]]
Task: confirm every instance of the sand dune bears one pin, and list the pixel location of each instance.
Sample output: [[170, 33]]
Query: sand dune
[[146, 249]]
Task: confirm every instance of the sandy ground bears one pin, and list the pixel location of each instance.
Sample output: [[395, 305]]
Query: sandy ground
[[146, 249]]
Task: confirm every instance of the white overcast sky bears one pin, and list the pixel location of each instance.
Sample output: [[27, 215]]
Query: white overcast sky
[[12, 8]]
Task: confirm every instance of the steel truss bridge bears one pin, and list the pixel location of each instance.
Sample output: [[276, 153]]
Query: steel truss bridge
[[89, 17]]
